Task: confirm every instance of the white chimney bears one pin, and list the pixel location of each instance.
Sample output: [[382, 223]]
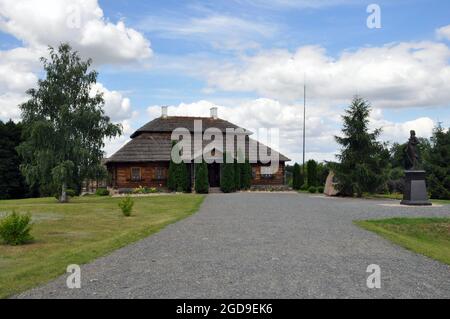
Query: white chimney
[[164, 112], [214, 113]]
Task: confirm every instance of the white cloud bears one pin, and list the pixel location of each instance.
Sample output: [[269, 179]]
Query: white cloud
[[267, 113], [117, 107], [39, 23], [444, 32], [394, 75], [400, 132], [323, 122], [299, 4], [82, 23], [220, 31]]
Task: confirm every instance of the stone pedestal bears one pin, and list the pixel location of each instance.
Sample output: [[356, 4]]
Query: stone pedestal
[[415, 193]]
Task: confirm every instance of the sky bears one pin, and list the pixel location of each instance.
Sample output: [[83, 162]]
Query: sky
[[250, 58]]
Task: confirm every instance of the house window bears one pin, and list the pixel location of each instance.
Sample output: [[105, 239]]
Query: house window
[[136, 174], [254, 172], [160, 173], [267, 172]]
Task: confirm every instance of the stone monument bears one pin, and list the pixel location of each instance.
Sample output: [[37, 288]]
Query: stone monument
[[415, 193]]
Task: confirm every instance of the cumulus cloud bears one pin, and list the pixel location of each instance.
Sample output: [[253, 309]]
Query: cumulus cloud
[[81, 22], [395, 75], [117, 107], [39, 23], [444, 32]]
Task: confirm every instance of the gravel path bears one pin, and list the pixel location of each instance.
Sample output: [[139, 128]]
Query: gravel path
[[265, 246]]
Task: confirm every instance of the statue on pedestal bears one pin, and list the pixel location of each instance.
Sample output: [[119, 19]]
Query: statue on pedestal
[[415, 193], [412, 153]]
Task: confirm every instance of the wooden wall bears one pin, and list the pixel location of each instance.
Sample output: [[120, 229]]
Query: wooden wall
[[121, 174], [276, 179]]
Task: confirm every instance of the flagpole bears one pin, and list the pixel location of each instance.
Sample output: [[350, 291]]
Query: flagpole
[[304, 124]]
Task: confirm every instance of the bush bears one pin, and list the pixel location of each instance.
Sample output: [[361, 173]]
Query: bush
[[320, 189], [71, 193], [312, 190], [126, 205], [297, 178], [15, 229], [102, 192], [227, 181], [311, 172], [246, 175], [304, 187], [201, 179]]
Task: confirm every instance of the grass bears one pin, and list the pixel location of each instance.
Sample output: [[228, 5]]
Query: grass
[[427, 236], [80, 231], [399, 196]]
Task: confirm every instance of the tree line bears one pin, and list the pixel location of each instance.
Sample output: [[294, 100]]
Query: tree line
[[59, 142], [367, 165]]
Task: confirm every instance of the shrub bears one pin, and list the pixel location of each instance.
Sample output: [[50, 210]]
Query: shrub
[[311, 172], [227, 181], [312, 189], [15, 229], [102, 192], [246, 175], [126, 205], [201, 179], [296, 177], [320, 189], [304, 187], [71, 193]]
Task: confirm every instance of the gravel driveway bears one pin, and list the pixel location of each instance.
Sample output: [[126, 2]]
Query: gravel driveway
[[251, 245]]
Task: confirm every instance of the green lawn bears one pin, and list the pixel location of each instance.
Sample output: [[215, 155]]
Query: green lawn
[[427, 236], [79, 232], [398, 196]]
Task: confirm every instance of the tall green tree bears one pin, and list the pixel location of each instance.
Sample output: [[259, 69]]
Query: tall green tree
[[178, 179], [437, 164], [12, 183], [311, 169], [64, 124], [246, 175], [227, 181], [297, 177], [364, 161], [201, 178]]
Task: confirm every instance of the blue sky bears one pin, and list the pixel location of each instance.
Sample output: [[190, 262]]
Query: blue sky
[[236, 54]]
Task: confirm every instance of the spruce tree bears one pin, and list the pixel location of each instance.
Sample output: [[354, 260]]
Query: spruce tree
[[12, 183], [227, 181], [311, 169], [437, 165], [364, 161], [201, 178], [246, 175], [237, 175], [296, 177]]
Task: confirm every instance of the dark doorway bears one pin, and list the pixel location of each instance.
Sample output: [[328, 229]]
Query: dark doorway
[[214, 175]]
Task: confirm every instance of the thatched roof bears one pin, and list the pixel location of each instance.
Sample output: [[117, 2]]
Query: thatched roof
[[169, 124], [152, 142]]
